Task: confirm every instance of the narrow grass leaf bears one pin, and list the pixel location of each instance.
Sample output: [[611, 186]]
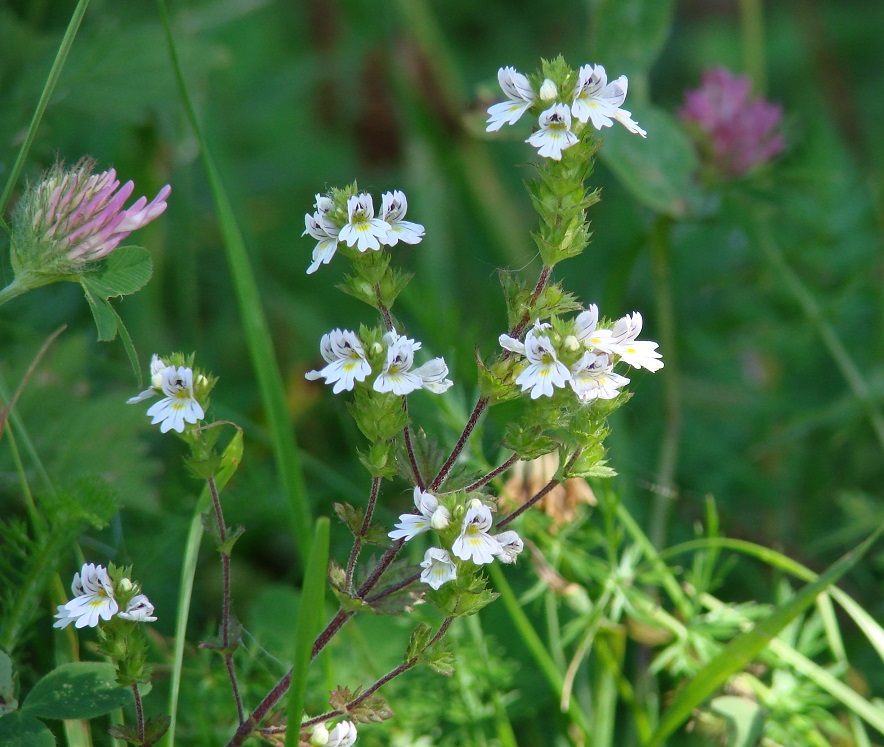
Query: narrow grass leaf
[[309, 617], [746, 646]]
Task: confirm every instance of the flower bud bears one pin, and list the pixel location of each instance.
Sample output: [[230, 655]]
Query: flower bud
[[548, 91], [440, 519], [319, 735], [571, 344]]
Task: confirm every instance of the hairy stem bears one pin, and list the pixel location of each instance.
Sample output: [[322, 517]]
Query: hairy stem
[[139, 712], [491, 475], [540, 493], [366, 522], [409, 447]]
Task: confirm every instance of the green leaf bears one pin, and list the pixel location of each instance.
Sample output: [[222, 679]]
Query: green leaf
[[78, 690], [154, 728], [20, 730], [658, 170], [8, 701], [104, 315], [126, 271], [418, 641], [745, 647], [745, 719], [629, 34], [309, 616]]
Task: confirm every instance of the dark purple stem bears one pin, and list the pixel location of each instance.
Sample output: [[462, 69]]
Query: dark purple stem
[[139, 712], [494, 473], [409, 447], [366, 523], [393, 589]]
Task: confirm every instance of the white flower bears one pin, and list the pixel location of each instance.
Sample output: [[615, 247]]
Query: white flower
[[156, 381], [598, 101], [346, 360], [93, 599], [343, 735], [363, 229], [548, 90], [622, 341], [544, 370], [393, 209], [432, 375], [139, 609], [327, 236], [179, 405], [521, 97], [555, 133], [510, 546], [474, 543], [429, 513], [585, 329], [593, 377], [438, 567], [397, 376]]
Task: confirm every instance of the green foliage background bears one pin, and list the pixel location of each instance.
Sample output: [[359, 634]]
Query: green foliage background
[[295, 97]]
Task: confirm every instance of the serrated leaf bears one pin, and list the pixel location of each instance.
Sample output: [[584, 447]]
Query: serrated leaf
[[233, 534], [154, 728], [126, 271], [77, 690], [441, 658], [418, 641], [340, 696], [17, 729], [372, 709], [658, 170]]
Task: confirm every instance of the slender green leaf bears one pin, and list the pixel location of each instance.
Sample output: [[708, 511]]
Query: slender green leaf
[[8, 701], [102, 313], [309, 617], [745, 647], [17, 729]]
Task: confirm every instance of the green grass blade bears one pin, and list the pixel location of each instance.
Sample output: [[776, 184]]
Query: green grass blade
[[309, 617], [746, 646], [54, 74], [255, 327], [230, 460]]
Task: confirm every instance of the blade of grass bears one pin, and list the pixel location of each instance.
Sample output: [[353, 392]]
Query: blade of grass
[[535, 646], [309, 618], [230, 461], [257, 333], [51, 80], [746, 646]]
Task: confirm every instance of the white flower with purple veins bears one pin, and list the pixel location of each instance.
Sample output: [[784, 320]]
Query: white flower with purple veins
[[598, 101], [544, 371], [586, 332], [474, 543], [343, 735], [393, 209], [510, 546], [623, 342], [554, 134], [139, 609], [156, 381], [593, 377], [432, 375], [363, 229], [521, 97], [326, 234], [179, 406], [438, 567], [93, 599], [345, 356], [397, 376], [429, 515]]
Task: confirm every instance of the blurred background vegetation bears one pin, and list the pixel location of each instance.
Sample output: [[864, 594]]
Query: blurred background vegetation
[[299, 96]]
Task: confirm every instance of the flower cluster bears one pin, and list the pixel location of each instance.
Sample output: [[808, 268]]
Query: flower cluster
[[592, 99], [348, 364], [474, 541], [97, 597], [361, 228], [74, 217], [594, 352], [342, 735], [737, 131], [179, 404]]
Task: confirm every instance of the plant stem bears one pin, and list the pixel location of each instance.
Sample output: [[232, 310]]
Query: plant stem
[[225, 602], [139, 712], [540, 493], [366, 522], [494, 473], [409, 447], [665, 312]]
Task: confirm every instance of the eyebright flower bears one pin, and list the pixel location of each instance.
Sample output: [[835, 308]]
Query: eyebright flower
[[438, 567], [179, 406], [622, 341], [156, 381], [74, 217], [593, 377], [343, 735], [397, 376], [510, 546], [554, 134], [393, 209], [326, 234], [429, 514], [521, 97], [93, 599], [545, 371], [736, 131], [598, 101], [363, 229], [474, 543], [139, 609], [346, 360]]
